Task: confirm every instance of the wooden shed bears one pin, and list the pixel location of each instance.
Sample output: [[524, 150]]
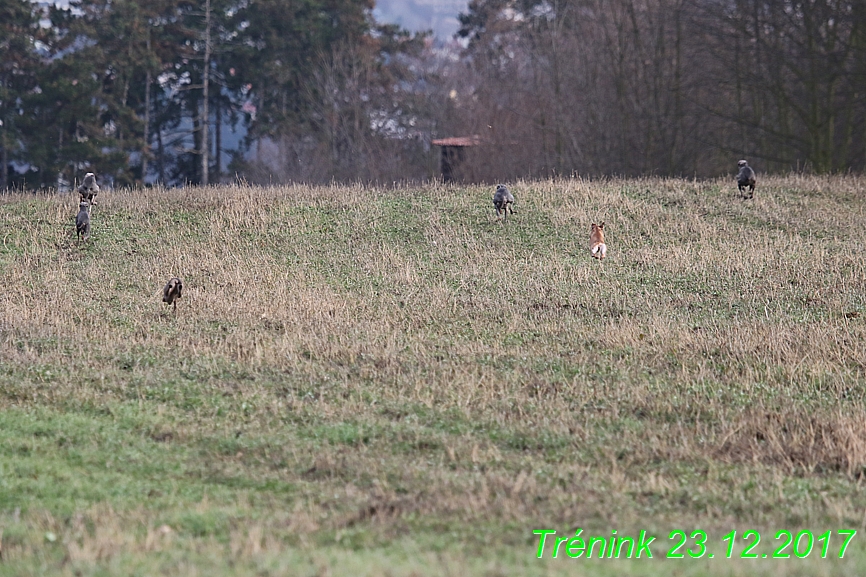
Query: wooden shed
[[454, 152]]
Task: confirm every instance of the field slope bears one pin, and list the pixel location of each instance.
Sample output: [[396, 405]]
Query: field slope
[[391, 382]]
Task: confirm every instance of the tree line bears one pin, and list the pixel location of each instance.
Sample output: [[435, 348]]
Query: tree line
[[143, 91], [667, 87]]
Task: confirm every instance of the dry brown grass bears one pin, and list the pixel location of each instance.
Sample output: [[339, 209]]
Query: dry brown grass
[[398, 360]]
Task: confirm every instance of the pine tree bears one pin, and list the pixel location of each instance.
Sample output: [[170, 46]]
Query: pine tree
[[279, 43], [18, 33]]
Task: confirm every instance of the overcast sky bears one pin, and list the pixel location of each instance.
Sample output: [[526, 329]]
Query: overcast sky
[[415, 15]]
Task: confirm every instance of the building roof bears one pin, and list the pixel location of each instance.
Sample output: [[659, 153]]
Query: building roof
[[473, 140]]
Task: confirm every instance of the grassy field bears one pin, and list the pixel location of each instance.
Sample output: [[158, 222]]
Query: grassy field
[[391, 382]]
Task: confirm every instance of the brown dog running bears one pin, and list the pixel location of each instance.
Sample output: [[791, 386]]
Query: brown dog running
[[597, 247], [172, 291]]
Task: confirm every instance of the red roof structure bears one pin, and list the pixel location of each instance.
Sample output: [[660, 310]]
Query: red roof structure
[[453, 153], [473, 140]]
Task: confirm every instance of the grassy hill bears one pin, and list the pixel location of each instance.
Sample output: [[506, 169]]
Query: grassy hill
[[391, 382]]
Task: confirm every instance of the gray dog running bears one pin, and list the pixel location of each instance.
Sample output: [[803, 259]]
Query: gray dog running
[[82, 221], [503, 200]]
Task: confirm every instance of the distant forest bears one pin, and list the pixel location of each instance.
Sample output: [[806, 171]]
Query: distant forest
[[149, 91]]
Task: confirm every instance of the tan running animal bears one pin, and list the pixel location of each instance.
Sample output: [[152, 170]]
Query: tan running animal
[[89, 189], [597, 247]]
